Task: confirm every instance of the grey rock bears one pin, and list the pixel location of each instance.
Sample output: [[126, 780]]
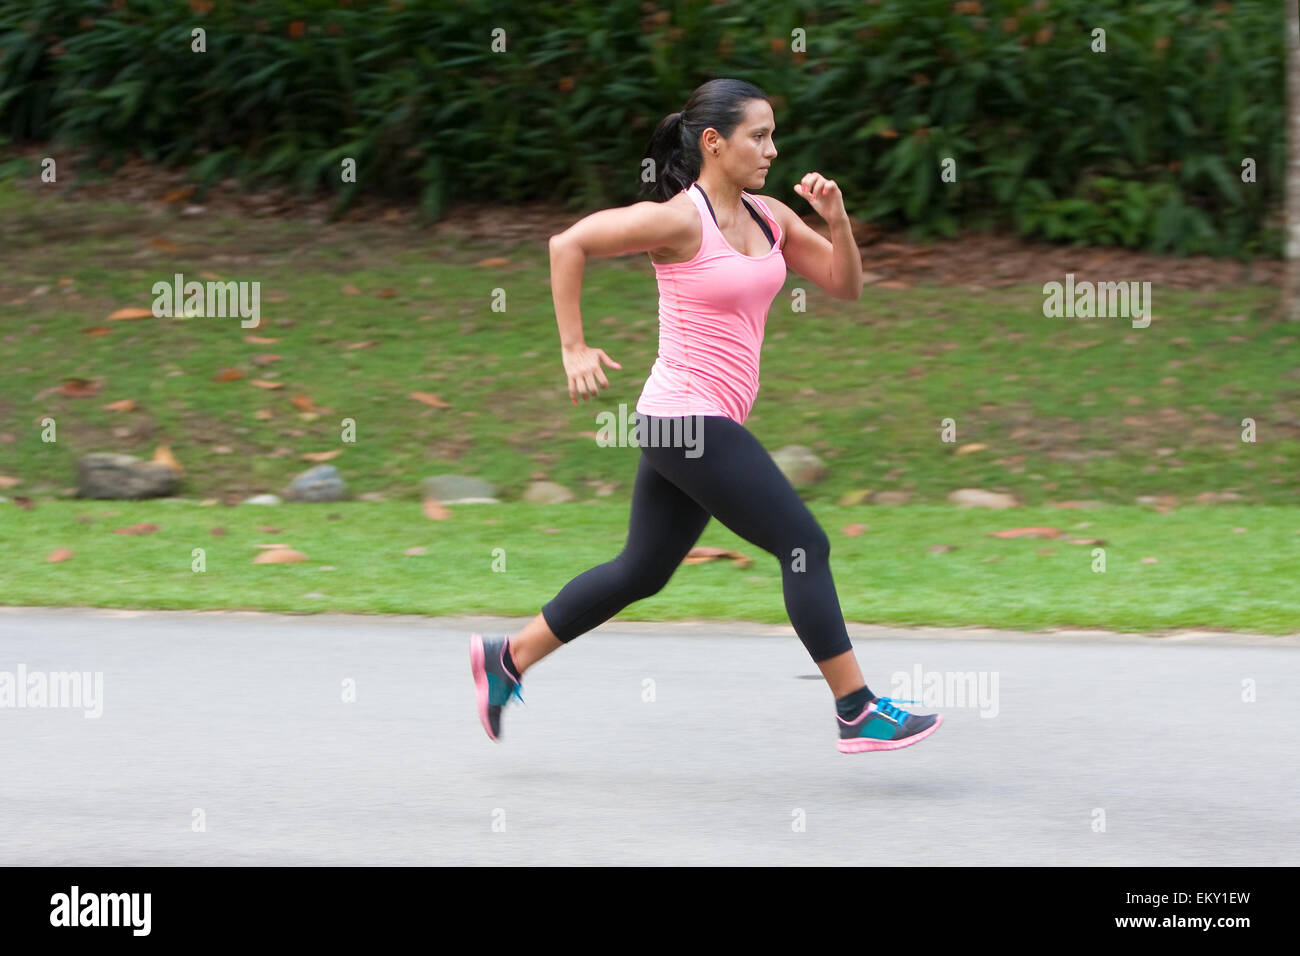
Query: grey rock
[[800, 465], [547, 493], [321, 483], [124, 477], [891, 497], [979, 498]]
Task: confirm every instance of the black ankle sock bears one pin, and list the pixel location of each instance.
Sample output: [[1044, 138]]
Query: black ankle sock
[[850, 705], [510, 663]]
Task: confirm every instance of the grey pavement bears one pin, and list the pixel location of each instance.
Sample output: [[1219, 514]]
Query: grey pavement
[[692, 743]]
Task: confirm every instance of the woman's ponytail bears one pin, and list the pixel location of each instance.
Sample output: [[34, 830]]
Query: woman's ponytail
[[674, 148], [668, 170]]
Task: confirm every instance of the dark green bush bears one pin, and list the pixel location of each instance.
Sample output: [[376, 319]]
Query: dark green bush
[[1140, 146]]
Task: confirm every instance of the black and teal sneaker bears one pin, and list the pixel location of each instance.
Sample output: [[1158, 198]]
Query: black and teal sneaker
[[882, 726], [493, 682]]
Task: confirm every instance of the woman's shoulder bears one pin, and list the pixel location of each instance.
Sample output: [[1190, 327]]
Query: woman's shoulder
[[779, 209], [686, 229]]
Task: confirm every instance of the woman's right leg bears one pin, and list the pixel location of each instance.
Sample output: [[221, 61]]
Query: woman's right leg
[[664, 524]]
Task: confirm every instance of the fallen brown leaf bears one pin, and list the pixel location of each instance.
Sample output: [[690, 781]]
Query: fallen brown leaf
[[1027, 533], [263, 383], [229, 375], [8, 481], [493, 261], [259, 340], [699, 555], [217, 532], [59, 554], [385, 293], [78, 388], [363, 345], [122, 405], [263, 414], [267, 529], [166, 245], [321, 455], [163, 456], [429, 399], [967, 449], [303, 403], [350, 289], [280, 555], [266, 358], [854, 530], [24, 503], [413, 552], [145, 528], [434, 511], [130, 313], [179, 194], [96, 330]]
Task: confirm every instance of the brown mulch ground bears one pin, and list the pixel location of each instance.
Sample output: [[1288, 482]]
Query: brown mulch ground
[[976, 261]]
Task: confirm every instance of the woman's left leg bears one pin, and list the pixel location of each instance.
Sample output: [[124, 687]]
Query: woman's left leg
[[735, 480]]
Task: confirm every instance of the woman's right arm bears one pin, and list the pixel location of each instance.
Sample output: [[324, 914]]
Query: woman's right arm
[[640, 227]]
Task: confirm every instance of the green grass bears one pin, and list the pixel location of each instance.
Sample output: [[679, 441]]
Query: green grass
[[1068, 409], [1206, 573]]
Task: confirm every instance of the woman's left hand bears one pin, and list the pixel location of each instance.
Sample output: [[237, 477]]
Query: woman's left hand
[[823, 195]]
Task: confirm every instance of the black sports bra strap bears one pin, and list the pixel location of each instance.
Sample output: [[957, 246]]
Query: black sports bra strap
[[762, 223]]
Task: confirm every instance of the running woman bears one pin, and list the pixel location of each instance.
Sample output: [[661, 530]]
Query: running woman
[[720, 254]]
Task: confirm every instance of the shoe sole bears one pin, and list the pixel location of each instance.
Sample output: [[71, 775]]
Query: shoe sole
[[476, 667], [865, 745]]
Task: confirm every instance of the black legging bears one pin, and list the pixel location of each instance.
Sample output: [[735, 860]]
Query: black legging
[[723, 471]]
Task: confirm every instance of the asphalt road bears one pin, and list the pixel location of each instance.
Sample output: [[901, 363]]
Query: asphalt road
[[225, 738]]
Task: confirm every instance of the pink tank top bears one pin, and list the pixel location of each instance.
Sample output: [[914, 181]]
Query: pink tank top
[[712, 312]]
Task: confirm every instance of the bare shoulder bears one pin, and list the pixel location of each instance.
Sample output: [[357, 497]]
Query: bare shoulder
[[684, 227], [680, 207], [780, 210]]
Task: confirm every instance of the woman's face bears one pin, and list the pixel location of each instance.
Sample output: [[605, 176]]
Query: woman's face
[[748, 152]]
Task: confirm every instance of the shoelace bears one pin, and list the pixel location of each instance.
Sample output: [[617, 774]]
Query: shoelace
[[886, 707]]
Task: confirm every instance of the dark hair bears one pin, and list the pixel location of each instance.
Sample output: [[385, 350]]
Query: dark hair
[[675, 144]]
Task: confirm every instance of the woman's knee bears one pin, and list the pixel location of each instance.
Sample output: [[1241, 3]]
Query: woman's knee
[[644, 579], [809, 546]]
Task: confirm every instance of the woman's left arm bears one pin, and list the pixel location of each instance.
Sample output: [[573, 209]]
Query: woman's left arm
[[835, 266]]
